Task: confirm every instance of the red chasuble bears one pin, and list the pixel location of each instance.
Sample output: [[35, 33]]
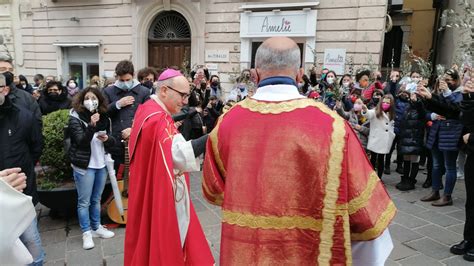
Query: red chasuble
[[152, 235], [294, 184]]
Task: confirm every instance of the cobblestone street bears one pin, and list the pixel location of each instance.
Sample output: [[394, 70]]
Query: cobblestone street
[[421, 233]]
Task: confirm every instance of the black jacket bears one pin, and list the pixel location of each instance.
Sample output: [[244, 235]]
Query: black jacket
[[21, 143], [49, 104], [467, 118], [412, 129], [81, 133], [25, 100], [123, 118]]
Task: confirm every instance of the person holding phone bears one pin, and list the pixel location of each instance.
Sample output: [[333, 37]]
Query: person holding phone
[[445, 134], [91, 138], [410, 130]]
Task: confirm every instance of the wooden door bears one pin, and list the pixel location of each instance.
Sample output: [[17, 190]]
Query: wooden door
[[169, 54]]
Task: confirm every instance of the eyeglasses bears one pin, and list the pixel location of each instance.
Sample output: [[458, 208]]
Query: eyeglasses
[[183, 95]]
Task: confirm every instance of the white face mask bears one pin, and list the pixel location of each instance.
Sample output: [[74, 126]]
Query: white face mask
[[330, 80], [72, 85], [91, 105], [346, 84], [24, 86]]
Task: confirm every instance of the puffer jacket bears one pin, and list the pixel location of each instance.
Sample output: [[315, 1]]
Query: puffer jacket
[[81, 134], [401, 106], [411, 129], [445, 134]]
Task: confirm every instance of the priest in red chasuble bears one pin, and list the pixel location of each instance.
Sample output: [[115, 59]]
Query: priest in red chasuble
[[162, 226], [294, 183]]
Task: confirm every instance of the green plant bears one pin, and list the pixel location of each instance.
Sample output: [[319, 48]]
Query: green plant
[[55, 162]]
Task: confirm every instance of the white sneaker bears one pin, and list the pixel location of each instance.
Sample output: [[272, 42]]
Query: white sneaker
[[87, 242], [102, 232]]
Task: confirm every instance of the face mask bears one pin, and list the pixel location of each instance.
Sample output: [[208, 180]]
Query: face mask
[[323, 75], [452, 87], [329, 94], [376, 100], [8, 77], [364, 84], [242, 89], [72, 85], [330, 80], [385, 106], [357, 107], [346, 84], [214, 83], [394, 80], [125, 85], [91, 105], [148, 84], [24, 86]]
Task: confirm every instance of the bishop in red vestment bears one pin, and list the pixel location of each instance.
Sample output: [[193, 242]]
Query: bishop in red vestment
[[294, 183], [162, 227]]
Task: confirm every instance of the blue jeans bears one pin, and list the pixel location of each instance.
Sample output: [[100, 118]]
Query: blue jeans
[[448, 160], [89, 191], [32, 241]]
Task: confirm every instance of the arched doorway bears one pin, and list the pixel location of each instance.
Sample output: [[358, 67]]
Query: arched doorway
[[169, 41]]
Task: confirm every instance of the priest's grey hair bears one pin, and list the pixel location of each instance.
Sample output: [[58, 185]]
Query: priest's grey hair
[[167, 82], [268, 58]]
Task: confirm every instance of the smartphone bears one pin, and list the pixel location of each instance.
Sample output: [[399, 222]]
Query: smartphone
[[102, 133], [411, 87]]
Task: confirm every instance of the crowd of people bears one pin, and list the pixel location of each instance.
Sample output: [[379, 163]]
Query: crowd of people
[[427, 120]]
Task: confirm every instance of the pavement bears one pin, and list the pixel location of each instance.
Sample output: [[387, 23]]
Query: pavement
[[422, 234]]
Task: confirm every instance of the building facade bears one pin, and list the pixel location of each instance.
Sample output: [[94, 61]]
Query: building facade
[[81, 38]]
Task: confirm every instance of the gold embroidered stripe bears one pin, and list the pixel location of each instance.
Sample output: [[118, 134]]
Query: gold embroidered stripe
[[379, 227], [215, 148], [218, 198], [336, 157], [276, 107], [347, 239], [361, 201], [270, 221]]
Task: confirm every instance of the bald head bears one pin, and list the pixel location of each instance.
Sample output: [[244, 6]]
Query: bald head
[[278, 56], [173, 93]]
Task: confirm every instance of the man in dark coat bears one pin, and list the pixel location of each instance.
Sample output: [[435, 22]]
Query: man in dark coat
[[124, 97], [21, 144], [18, 97]]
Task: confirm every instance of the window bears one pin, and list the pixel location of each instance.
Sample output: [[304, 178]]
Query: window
[[81, 64]]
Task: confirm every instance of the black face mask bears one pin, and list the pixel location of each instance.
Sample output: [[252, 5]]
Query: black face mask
[[148, 84], [376, 100], [214, 84], [54, 96], [452, 87], [403, 96], [8, 77]]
